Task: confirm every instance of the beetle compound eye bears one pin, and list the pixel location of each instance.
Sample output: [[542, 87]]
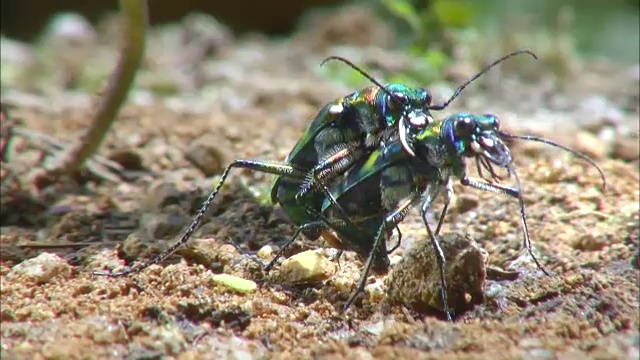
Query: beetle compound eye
[[464, 127], [425, 96], [397, 99], [401, 96], [494, 121]]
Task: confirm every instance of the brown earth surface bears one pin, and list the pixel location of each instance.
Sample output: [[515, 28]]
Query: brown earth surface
[[263, 96]]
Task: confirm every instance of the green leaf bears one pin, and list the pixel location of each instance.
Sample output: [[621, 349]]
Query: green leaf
[[405, 11], [453, 13]]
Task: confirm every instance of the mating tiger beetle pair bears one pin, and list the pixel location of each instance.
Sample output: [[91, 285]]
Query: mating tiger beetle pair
[[367, 158]]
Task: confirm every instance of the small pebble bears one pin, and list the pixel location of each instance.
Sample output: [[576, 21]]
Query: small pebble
[[590, 145], [235, 283], [160, 194], [266, 252], [305, 267], [206, 154], [552, 173], [627, 149], [375, 291], [206, 30], [41, 269], [129, 159], [466, 202], [590, 242], [70, 27], [165, 225], [597, 111]]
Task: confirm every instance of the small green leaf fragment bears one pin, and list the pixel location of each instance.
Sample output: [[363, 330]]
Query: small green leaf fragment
[[235, 283]]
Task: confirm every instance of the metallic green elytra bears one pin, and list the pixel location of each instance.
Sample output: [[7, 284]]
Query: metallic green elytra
[[392, 182], [360, 117], [350, 128], [342, 132]]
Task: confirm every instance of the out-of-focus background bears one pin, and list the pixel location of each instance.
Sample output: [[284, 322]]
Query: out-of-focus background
[[225, 80], [74, 44], [600, 28]]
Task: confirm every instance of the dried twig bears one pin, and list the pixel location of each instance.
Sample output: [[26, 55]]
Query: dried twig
[[97, 165], [135, 16]]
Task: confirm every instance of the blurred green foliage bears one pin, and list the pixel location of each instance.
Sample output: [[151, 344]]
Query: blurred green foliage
[[429, 21], [427, 24], [561, 32], [422, 27]]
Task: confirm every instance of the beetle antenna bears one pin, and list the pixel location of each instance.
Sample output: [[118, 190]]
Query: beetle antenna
[[477, 75], [363, 73], [555, 144]]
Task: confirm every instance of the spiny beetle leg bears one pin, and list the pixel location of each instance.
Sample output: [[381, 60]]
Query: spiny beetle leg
[[270, 167], [448, 198], [334, 164], [318, 215], [247, 255], [433, 191], [484, 185], [299, 230], [337, 256], [335, 203], [392, 220], [398, 243], [327, 169]]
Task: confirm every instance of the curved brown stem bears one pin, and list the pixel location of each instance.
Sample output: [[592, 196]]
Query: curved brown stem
[[135, 16]]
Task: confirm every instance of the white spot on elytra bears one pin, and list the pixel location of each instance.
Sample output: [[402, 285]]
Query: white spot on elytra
[[336, 109]]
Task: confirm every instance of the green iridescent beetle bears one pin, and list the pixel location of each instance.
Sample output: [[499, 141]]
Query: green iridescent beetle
[[341, 134], [391, 182], [348, 129]]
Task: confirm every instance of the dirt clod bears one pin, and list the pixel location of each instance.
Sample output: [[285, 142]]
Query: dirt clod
[[415, 280], [627, 149], [40, 269], [205, 154], [591, 145]]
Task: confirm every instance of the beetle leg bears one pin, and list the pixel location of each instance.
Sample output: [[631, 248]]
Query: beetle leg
[[433, 190], [246, 254], [330, 166], [484, 185], [307, 226], [449, 196], [398, 243], [392, 219], [270, 167]]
